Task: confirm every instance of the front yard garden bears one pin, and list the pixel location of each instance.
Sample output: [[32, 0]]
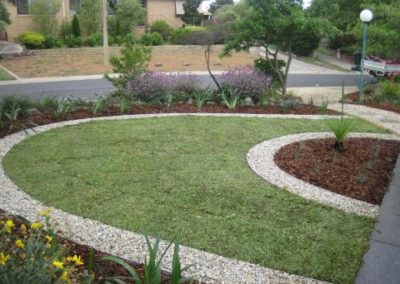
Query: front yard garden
[[189, 174]]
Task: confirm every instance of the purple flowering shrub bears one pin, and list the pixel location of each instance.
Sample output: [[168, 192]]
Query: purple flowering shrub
[[186, 84], [149, 86], [155, 86], [247, 80]]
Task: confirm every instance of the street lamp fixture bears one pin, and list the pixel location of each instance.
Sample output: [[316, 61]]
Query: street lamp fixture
[[366, 17]]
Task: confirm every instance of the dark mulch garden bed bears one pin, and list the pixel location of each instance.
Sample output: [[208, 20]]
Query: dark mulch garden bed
[[362, 171], [47, 117], [101, 268], [354, 98]]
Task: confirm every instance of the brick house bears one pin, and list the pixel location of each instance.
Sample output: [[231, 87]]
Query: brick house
[[168, 10]]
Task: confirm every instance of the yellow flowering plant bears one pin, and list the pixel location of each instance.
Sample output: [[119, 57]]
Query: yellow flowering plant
[[32, 254]]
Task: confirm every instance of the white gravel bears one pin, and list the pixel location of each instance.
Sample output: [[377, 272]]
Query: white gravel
[[261, 161], [129, 245], [387, 119]]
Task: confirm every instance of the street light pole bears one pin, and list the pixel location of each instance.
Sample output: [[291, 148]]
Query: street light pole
[[364, 44], [366, 17], [105, 33]]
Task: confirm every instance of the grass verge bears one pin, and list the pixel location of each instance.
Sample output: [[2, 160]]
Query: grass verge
[[189, 174], [5, 75]]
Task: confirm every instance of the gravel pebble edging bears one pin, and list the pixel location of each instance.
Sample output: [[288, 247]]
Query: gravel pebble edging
[[129, 245], [383, 118], [261, 160]]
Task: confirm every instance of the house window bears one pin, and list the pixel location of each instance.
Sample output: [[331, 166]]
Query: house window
[[22, 7], [73, 6]]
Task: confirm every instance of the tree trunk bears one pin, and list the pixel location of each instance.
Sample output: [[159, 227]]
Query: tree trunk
[[289, 61], [207, 55]]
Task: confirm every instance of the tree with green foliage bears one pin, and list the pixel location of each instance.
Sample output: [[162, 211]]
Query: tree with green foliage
[[276, 25], [218, 4], [163, 28], [89, 15], [76, 30], [192, 16], [128, 14], [44, 15], [384, 31], [4, 16], [130, 64]]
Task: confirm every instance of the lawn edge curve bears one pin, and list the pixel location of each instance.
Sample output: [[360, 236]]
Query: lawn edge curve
[[208, 267]]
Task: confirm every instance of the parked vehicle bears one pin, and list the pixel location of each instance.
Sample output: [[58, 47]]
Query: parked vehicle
[[383, 68]]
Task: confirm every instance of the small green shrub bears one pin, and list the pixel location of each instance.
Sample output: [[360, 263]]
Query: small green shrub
[[124, 105], [94, 40], [130, 64], [387, 91], [100, 105], [149, 39], [289, 103], [75, 27], [263, 65], [46, 104], [200, 96], [12, 109], [24, 104], [163, 28], [31, 40], [340, 128], [72, 41], [52, 42], [152, 269], [323, 107], [230, 97], [62, 108], [180, 36], [65, 30]]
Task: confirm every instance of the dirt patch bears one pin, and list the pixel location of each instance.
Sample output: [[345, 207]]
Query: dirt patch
[[83, 64], [47, 117], [354, 98], [362, 171]]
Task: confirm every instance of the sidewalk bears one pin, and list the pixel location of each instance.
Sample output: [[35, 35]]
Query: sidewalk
[[320, 95], [381, 263], [333, 60]]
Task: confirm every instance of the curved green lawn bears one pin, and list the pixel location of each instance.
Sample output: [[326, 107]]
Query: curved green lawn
[[161, 176]]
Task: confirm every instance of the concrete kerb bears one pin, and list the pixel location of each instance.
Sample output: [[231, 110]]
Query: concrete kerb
[[129, 245]]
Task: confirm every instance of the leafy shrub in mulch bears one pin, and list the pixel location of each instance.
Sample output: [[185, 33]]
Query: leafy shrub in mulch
[[31, 39]]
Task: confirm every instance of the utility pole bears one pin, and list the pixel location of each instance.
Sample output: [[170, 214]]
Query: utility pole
[[105, 34]]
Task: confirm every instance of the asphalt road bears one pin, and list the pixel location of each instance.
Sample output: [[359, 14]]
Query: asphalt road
[[87, 89]]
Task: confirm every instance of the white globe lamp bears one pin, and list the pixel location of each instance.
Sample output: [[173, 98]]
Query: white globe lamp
[[366, 16]]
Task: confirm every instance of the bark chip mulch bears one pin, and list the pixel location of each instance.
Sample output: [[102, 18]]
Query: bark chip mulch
[[354, 98], [362, 171]]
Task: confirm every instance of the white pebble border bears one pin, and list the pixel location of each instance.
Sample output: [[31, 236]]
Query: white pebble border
[[261, 160], [387, 119], [129, 245]]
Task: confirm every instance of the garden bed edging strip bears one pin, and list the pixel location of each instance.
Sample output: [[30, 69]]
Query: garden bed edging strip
[[261, 160]]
